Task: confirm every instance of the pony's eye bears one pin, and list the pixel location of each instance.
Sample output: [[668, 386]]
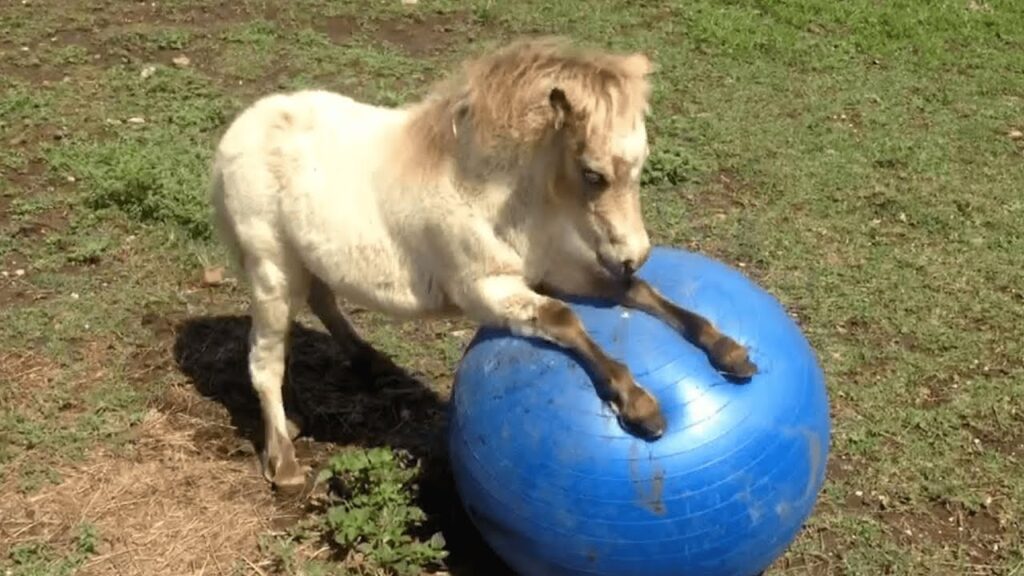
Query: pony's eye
[[592, 177]]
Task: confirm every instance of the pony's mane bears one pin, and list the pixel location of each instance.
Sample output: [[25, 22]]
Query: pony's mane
[[506, 91]]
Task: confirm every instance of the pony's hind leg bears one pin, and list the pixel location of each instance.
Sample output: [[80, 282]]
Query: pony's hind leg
[[274, 293], [325, 305]]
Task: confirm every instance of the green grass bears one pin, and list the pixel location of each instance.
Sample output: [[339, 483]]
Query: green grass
[[42, 560], [854, 157], [376, 513]]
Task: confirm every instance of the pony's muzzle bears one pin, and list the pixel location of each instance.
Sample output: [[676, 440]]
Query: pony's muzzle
[[626, 260], [633, 263]]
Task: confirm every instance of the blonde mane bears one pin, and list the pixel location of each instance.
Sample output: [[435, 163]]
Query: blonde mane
[[506, 92]]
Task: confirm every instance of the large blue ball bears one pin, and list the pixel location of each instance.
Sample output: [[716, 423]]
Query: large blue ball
[[556, 486]]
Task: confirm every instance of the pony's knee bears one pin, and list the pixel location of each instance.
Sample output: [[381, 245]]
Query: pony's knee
[[278, 283], [266, 358]]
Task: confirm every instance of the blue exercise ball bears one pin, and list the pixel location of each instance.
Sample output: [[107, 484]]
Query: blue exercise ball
[[557, 487]]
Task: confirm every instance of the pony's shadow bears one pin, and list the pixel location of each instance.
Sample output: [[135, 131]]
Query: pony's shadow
[[389, 408]]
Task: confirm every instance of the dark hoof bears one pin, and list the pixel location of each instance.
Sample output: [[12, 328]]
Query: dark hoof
[[642, 416], [645, 430], [732, 360]]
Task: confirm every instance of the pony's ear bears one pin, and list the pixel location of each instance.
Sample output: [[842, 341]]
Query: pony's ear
[[459, 109], [560, 104]]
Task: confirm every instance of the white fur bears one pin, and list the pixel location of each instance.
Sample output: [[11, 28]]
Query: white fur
[[632, 147]]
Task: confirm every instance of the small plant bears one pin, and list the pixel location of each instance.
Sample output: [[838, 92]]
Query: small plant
[[669, 166], [372, 513], [41, 559], [171, 39], [88, 250]]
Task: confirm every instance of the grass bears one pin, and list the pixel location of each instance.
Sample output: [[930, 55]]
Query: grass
[[375, 512], [858, 159], [38, 559]]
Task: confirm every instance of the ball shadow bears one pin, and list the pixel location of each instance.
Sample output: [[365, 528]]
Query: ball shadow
[[387, 408]]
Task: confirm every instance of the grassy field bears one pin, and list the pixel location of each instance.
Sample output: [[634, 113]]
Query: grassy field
[[860, 159]]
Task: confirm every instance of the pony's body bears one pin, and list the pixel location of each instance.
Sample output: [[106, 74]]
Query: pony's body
[[522, 178], [321, 189], [314, 176]]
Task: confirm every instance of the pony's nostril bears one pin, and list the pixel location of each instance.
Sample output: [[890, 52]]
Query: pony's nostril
[[628, 267]]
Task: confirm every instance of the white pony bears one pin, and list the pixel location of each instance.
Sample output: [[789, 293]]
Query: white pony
[[515, 180]]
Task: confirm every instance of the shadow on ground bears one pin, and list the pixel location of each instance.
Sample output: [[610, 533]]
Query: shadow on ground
[[390, 408]]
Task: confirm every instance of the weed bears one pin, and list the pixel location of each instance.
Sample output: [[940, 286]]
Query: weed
[[171, 39], [374, 515], [24, 207], [152, 176], [21, 104], [38, 559], [71, 54], [156, 172]]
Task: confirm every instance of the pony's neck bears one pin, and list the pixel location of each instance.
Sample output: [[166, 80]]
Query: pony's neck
[[446, 136], [506, 180], [430, 134]]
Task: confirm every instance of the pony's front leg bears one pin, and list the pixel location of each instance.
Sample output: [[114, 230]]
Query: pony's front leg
[[725, 354], [508, 301]]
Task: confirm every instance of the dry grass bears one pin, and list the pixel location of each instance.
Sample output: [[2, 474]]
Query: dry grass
[[30, 370], [167, 507]]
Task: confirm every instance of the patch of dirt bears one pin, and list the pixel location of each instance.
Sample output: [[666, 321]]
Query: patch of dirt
[[417, 33], [16, 286], [1008, 441], [27, 372], [720, 197], [806, 564], [166, 508], [339, 29], [210, 14], [850, 118], [841, 468], [118, 36], [38, 226], [935, 393], [423, 34], [723, 192], [33, 74], [28, 176], [976, 535]]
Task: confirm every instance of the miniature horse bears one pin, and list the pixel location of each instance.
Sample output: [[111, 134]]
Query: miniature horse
[[516, 179]]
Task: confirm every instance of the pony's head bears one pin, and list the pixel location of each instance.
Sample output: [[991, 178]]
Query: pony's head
[[582, 112]]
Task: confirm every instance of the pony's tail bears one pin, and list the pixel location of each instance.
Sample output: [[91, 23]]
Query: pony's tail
[[223, 227]]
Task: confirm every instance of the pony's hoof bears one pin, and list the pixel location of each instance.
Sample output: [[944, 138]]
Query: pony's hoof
[[732, 359], [294, 482], [285, 473], [641, 415]]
